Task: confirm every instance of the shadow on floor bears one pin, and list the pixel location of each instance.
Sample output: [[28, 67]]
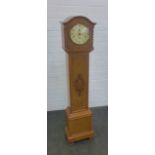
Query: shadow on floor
[[56, 141]]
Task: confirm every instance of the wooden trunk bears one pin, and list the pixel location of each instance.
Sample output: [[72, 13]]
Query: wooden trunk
[[78, 115]]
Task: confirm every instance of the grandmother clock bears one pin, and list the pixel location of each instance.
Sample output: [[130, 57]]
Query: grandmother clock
[[78, 42]]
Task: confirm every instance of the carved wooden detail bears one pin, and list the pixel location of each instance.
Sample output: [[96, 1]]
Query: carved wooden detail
[[79, 84]]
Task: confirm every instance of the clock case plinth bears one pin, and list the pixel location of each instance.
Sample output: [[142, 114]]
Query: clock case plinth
[[78, 114], [79, 125]]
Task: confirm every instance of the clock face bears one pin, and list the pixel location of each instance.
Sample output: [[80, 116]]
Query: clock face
[[79, 34]]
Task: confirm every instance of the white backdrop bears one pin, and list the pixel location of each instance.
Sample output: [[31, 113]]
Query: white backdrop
[[97, 11]]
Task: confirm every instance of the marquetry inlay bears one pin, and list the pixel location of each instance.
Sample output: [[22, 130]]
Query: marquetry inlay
[[79, 84]]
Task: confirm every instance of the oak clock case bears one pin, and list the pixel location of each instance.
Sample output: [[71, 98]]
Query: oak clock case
[[78, 43]]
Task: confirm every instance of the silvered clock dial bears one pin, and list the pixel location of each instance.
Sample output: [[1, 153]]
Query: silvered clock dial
[[79, 34]]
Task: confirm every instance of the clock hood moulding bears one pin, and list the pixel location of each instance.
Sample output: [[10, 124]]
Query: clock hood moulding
[[71, 18]]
